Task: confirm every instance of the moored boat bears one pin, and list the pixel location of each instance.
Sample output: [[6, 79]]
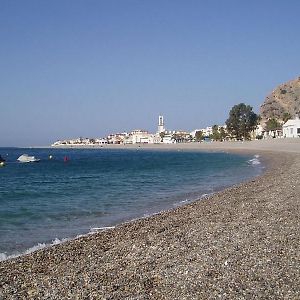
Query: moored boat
[[25, 158]]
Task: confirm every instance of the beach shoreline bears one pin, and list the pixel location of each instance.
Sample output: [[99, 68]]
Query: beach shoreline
[[274, 145], [240, 243]]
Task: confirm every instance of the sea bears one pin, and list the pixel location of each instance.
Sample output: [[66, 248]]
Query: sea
[[73, 192]]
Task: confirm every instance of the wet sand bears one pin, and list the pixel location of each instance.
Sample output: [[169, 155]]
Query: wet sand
[[241, 243]]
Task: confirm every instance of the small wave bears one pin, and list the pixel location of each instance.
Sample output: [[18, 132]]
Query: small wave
[[254, 161], [56, 241], [4, 256], [192, 199], [147, 215], [206, 195], [184, 201], [94, 229]]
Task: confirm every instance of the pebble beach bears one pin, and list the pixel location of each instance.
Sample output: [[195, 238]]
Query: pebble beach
[[240, 243]]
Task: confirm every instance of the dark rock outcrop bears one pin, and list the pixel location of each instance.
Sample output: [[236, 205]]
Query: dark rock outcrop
[[285, 99]]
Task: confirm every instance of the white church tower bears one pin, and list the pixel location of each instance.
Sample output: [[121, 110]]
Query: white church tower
[[161, 127]]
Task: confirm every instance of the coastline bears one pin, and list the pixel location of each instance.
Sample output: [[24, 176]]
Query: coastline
[[274, 145], [239, 243]]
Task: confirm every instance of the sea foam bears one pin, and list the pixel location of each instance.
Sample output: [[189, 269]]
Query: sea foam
[[255, 160], [4, 256], [56, 241]]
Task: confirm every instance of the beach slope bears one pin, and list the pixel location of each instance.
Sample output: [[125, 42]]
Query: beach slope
[[241, 243]]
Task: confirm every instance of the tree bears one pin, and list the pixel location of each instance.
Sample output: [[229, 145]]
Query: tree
[[222, 133], [199, 136], [286, 116], [242, 120], [272, 124], [215, 133], [162, 135]]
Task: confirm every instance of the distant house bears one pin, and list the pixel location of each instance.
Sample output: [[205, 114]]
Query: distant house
[[261, 132], [274, 133], [168, 139], [291, 128], [142, 137], [101, 141], [117, 138], [257, 132]]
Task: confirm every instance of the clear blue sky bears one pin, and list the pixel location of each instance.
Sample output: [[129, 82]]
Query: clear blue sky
[[88, 68]]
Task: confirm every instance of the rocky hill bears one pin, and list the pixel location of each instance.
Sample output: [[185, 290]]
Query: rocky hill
[[284, 99]]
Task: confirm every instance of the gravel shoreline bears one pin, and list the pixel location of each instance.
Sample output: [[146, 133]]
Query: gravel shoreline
[[241, 243]]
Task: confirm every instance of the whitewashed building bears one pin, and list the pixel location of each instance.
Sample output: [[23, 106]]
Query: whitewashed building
[[101, 141], [208, 130], [117, 138], [168, 139], [291, 129], [142, 137], [258, 131], [139, 136]]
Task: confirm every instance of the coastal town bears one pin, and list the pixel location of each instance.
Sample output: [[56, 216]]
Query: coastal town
[[289, 129], [139, 136], [278, 118]]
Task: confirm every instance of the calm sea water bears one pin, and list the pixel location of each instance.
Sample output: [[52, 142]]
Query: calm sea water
[[43, 203]]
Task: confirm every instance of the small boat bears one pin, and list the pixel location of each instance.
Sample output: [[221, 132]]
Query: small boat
[[2, 159], [25, 158]]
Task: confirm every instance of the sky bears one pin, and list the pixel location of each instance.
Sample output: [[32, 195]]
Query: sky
[[71, 68]]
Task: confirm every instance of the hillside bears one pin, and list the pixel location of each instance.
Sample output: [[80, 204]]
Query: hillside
[[284, 99]]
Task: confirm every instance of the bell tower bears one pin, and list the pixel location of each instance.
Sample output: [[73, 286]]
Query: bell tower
[[161, 127]]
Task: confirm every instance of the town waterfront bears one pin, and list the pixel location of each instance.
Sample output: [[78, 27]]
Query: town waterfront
[[46, 202]]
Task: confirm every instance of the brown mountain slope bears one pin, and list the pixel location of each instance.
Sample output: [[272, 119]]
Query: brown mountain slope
[[284, 99]]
